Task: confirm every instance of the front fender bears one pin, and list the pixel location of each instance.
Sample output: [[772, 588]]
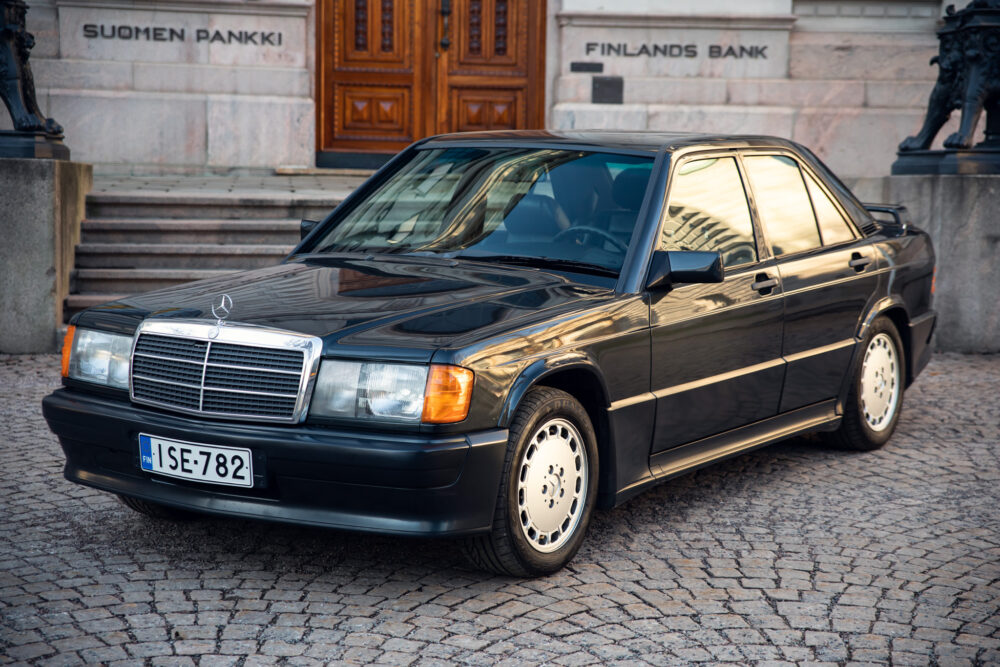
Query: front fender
[[540, 369]]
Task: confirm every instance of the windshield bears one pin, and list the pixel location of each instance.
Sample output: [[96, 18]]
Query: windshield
[[502, 204]]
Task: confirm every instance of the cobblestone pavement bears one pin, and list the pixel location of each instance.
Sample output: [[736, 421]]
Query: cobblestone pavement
[[792, 553]]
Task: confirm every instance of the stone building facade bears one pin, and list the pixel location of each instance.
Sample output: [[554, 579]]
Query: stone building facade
[[162, 86], [190, 86], [848, 78]]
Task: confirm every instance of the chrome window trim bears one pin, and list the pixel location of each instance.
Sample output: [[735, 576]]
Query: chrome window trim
[[238, 334]]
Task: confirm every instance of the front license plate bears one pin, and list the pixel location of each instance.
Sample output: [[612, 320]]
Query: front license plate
[[202, 463]]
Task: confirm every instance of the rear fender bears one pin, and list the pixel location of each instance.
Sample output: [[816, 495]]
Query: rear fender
[[882, 306], [879, 308]]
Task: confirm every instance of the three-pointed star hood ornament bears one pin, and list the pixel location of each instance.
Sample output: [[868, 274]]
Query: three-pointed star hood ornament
[[222, 309]]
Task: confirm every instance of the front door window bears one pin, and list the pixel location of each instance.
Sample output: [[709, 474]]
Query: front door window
[[708, 210]]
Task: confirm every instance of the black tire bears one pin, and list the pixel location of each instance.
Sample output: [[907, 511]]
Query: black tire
[[156, 510], [855, 432], [507, 550]]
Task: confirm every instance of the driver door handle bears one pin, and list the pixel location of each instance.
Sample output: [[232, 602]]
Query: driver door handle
[[763, 283]]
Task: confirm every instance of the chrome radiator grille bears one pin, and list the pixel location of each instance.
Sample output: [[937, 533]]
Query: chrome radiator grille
[[223, 379]]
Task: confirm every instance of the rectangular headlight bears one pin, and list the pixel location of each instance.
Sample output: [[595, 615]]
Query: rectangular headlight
[[360, 390], [100, 357], [394, 392]]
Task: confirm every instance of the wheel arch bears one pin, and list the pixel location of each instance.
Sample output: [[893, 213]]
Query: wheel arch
[[581, 379], [894, 308]]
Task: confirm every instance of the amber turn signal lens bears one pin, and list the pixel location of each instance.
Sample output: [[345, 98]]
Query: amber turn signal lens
[[67, 348], [448, 394]]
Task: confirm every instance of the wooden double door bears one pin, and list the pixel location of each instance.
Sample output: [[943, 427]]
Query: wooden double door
[[394, 71]]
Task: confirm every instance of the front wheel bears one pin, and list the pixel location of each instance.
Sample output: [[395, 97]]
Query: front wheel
[[876, 395], [547, 491]]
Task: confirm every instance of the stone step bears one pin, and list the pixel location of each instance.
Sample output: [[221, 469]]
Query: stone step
[[177, 256], [136, 281], [283, 232], [144, 233], [195, 205], [76, 302]]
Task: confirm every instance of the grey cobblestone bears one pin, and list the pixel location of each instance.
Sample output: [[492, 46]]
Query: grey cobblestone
[[791, 554]]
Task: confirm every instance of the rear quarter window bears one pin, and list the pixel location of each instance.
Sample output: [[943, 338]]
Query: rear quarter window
[[832, 225]]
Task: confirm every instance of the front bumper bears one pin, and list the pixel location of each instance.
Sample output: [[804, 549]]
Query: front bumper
[[384, 483]]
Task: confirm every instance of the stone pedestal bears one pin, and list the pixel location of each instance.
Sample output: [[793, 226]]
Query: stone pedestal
[[32, 145], [960, 214], [43, 204], [978, 160]]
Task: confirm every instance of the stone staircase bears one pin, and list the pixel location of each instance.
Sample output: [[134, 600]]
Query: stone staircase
[[143, 236]]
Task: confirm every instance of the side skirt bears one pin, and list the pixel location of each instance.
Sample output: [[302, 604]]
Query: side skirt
[[665, 465]]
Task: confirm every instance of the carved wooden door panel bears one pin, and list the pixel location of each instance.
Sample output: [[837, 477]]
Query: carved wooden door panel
[[372, 88], [490, 75], [393, 71]]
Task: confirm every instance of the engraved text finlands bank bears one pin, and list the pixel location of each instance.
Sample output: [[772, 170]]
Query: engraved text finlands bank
[[675, 50]]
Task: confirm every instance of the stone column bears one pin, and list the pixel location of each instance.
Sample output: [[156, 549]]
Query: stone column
[[43, 204]]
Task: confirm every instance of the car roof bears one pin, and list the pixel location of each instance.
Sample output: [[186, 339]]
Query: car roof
[[612, 139]]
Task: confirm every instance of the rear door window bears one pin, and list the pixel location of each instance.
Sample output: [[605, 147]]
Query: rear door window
[[707, 210], [782, 203]]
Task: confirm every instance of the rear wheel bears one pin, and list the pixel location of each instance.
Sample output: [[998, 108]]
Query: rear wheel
[[876, 395], [547, 491], [156, 510]]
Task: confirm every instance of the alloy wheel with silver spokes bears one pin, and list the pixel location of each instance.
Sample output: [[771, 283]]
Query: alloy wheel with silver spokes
[[881, 381], [552, 484]]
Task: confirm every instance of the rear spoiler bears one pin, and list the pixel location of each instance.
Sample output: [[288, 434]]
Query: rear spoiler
[[892, 216]]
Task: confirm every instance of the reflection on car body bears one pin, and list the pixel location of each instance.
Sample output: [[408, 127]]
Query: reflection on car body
[[500, 332]]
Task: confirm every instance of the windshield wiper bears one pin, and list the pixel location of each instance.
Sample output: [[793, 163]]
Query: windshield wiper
[[543, 263]]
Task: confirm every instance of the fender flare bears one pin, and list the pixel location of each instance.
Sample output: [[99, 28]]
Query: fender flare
[[880, 307], [538, 371]]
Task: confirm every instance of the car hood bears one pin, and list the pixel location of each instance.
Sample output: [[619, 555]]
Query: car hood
[[388, 306]]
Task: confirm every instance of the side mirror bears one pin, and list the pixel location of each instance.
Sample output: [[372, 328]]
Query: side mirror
[[306, 227], [669, 267]]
